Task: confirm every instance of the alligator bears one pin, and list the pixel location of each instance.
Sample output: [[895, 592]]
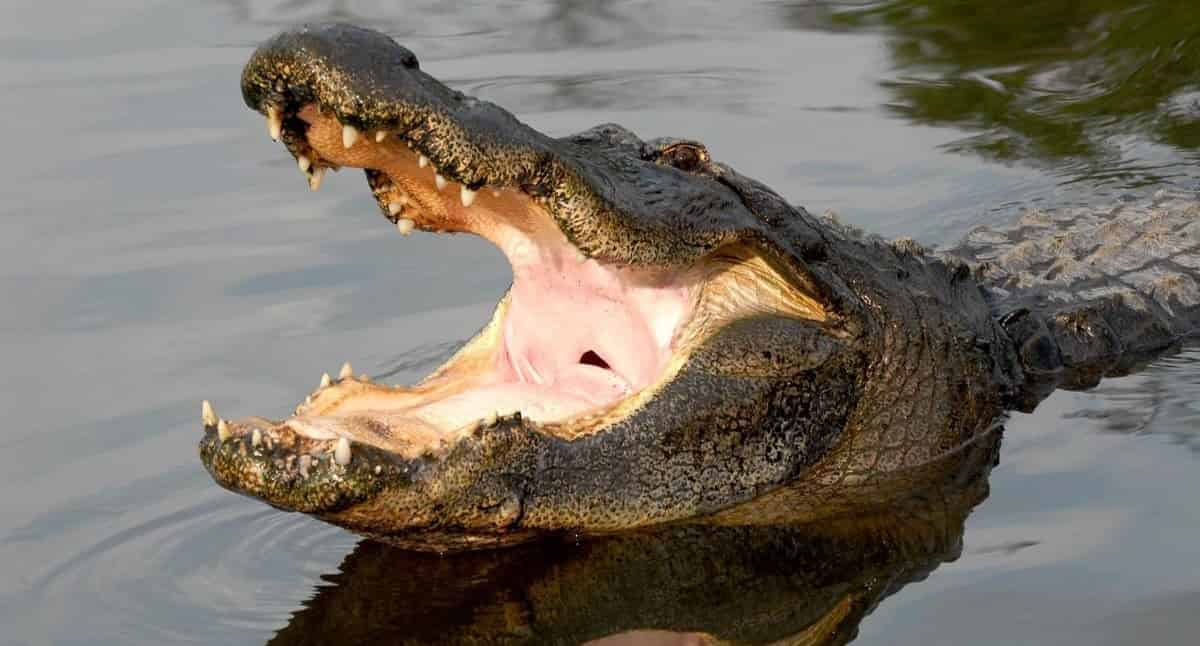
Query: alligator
[[679, 345]]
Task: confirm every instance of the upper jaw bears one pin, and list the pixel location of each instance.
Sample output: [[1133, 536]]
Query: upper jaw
[[373, 87], [614, 197]]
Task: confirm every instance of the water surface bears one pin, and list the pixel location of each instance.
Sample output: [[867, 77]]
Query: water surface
[[158, 249]]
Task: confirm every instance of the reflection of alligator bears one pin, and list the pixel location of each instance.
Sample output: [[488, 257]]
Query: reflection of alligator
[[678, 340], [744, 584]]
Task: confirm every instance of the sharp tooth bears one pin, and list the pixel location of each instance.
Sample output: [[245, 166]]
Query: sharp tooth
[[579, 256], [256, 438], [207, 415], [395, 207], [439, 180], [304, 163], [380, 136], [341, 453], [409, 144], [422, 161], [491, 419], [346, 372], [305, 462], [326, 381], [349, 135], [314, 180], [223, 432], [405, 226], [274, 123], [468, 196]]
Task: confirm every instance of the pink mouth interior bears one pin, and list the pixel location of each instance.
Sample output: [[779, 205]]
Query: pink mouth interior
[[577, 335]]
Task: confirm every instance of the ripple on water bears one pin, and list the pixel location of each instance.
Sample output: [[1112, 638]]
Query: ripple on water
[[618, 89], [201, 574]]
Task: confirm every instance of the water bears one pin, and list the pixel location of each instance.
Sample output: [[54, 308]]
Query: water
[[157, 249]]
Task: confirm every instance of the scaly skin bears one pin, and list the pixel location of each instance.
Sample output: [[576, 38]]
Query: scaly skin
[[910, 359], [744, 584]]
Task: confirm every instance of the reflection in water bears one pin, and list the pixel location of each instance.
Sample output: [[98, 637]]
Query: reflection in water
[[744, 583], [1162, 399], [1064, 82]]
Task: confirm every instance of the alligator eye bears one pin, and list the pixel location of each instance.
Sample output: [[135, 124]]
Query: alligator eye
[[685, 157]]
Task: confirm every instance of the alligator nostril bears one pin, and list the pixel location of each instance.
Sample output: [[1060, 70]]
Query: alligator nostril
[[590, 358], [408, 59]]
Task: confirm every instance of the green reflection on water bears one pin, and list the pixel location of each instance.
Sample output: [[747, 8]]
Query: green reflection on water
[[1062, 82]]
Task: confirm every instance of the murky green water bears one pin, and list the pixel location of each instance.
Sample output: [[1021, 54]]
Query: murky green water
[[156, 249]]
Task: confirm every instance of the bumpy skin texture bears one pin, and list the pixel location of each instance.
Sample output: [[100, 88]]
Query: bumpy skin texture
[[1089, 293], [745, 584], [920, 354]]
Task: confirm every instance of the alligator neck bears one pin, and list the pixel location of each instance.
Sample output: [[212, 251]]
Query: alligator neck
[[1090, 293]]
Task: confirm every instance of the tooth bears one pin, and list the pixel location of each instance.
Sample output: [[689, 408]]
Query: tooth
[[579, 256], [468, 196], [305, 461], [274, 123], [380, 136], [223, 432], [405, 226], [346, 372], [314, 180], [439, 180], [395, 207], [207, 415], [326, 381], [341, 453], [349, 135], [255, 437], [491, 419], [422, 161], [409, 144], [304, 163]]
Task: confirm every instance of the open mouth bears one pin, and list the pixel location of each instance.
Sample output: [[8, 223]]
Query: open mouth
[[573, 338], [627, 257]]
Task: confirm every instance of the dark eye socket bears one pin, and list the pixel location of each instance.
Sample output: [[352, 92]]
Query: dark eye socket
[[685, 157]]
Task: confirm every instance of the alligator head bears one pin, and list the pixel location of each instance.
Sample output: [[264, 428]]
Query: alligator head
[[677, 339]]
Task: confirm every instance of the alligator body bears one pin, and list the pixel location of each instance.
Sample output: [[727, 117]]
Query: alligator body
[[679, 343]]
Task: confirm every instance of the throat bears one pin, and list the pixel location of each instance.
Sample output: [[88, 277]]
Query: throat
[[573, 337], [584, 334]]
